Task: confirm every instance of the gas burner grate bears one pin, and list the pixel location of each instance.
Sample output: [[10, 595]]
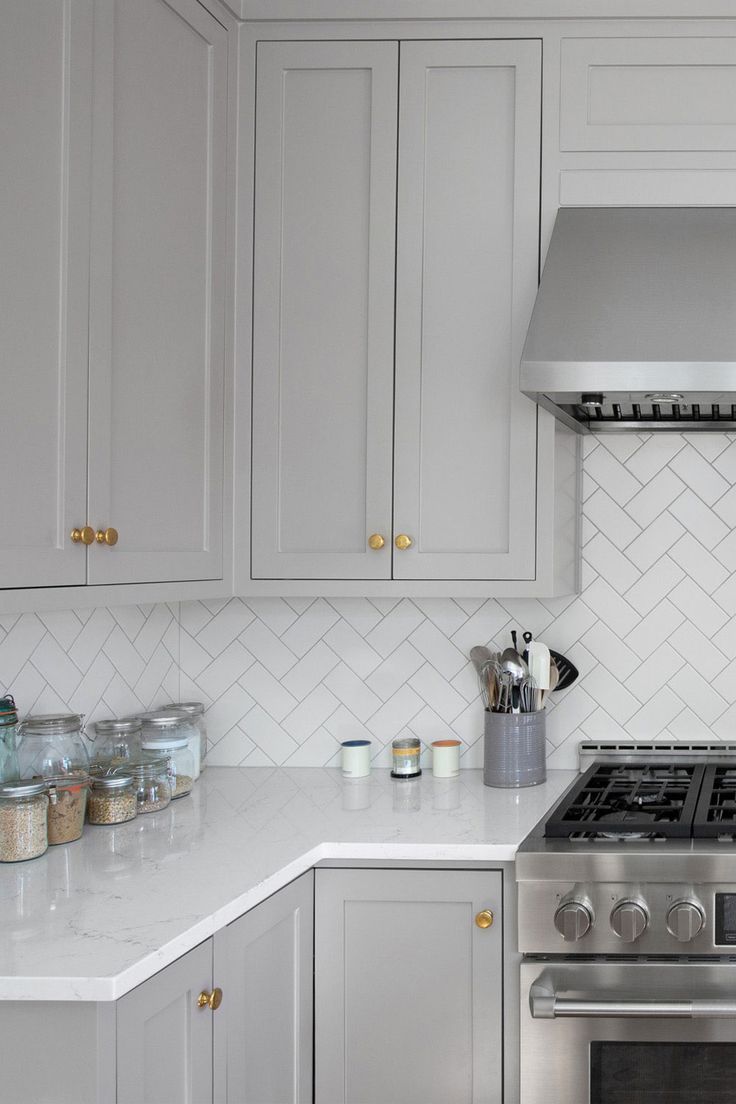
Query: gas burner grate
[[647, 800], [715, 815]]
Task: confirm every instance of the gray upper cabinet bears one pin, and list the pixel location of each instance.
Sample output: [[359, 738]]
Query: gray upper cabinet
[[467, 262], [112, 308], [327, 476], [408, 987], [323, 309], [157, 291], [45, 126]]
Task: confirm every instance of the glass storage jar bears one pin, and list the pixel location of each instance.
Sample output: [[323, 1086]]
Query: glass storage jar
[[8, 740], [23, 822], [67, 805], [169, 732], [117, 742], [112, 799], [195, 710], [152, 783], [51, 745]]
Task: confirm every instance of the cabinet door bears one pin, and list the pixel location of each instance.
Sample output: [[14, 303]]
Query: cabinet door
[[467, 266], [157, 295], [408, 989], [263, 1044], [45, 121], [164, 1040], [323, 309]]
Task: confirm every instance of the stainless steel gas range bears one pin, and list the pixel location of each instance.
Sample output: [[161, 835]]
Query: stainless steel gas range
[[627, 924]]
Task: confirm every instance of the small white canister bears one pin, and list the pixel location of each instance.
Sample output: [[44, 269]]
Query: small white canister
[[446, 758], [356, 758]]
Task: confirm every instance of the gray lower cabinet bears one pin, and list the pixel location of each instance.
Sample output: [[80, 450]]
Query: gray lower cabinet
[[264, 962], [408, 987], [164, 1039]]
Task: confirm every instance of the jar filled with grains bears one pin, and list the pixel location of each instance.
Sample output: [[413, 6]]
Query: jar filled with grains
[[117, 742], [152, 784], [67, 806], [195, 710], [112, 799], [168, 732], [23, 822]]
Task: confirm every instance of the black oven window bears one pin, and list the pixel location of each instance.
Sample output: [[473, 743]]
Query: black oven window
[[662, 1073]]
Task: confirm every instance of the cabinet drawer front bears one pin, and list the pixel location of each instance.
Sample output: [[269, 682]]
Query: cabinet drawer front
[[323, 309], [644, 94], [467, 258]]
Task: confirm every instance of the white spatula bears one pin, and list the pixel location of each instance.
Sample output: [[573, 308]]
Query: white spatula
[[538, 664]]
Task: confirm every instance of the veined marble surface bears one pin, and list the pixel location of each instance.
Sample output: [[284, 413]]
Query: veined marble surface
[[92, 919]]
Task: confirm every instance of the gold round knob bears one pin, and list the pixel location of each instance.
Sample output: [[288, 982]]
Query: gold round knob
[[211, 1000], [376, 541], [484, 919], [403, 542], [83, 536], [107, 536]]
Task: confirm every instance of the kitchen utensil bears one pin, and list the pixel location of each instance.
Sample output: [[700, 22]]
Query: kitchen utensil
[[568, 671], [539, 660], [527, 638], [490, 682], [512, 662], [479, 656], [527, 692], [513, 637], [554, 676]]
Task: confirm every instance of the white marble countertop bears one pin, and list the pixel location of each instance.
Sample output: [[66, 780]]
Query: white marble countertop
[[92, 919]]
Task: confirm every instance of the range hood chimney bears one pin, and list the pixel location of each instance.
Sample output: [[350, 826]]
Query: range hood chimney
[[634, 326]]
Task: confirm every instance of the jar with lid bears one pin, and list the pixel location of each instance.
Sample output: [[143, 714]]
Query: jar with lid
[[112, 799], [117, 742], [169, 732], [23, 821], [67, 805], [52, 745], [151, 783], [405, 757], [8, 739], [196, 711]]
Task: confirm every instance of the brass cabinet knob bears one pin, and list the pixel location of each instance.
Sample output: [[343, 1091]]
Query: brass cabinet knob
[[403, 542], [211, 1000], [83, 536], [484, 919], [107, 536], [376, 541]]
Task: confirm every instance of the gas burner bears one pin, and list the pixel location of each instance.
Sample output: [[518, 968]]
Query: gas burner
[[621, 818]]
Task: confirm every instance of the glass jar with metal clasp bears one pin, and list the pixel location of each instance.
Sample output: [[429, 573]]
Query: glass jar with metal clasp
[[23, 820], [169, 732], [8, 739], [151, 782], [51, 747], [195, 710]]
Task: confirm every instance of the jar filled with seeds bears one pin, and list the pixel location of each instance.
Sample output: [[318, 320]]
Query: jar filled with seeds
[[152, 783], [168, 732], [196, 711], [68, 794], [23, 821], [112, 799], [117, 742]]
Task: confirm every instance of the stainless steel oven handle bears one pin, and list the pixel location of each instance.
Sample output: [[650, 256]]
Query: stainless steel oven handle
[[546, 1005]]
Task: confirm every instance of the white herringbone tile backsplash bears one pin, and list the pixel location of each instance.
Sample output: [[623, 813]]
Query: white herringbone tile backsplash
[[653, 634]]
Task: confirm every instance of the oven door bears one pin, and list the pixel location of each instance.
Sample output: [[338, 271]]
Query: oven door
[[635, 1032]]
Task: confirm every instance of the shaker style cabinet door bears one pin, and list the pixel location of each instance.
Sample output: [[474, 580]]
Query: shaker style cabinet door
[[323, 309], [408, 987], [467, 265], [164, 1039], [263, 1042], [45, 129], [157, 293]]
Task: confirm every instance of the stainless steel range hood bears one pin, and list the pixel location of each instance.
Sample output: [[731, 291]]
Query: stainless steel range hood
[[634, 326]]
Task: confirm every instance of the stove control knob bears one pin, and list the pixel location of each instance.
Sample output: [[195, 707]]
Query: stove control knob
[[685, 920], [573, 920], [629, 920]]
